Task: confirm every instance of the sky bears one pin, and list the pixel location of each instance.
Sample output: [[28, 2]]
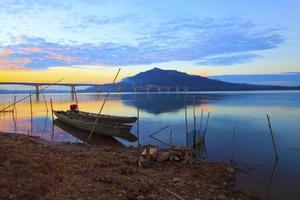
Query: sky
[[88, 40]]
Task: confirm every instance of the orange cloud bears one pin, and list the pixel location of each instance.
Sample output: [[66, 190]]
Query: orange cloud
[[34, 50], [68, 59], [14, 64], [206, 72], [5, 52]]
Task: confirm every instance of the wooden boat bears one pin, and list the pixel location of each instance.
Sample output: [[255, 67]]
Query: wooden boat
[[109, 118], [85, 123]]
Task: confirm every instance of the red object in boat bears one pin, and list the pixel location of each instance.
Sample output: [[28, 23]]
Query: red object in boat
[[74, 107]]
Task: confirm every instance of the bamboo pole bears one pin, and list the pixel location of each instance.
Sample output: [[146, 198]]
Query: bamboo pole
[[44, 99], [206, 125], [31, 94], [76, 100], [96, 120], [138, 126], [30, 100], [52, 133], [273, 139], [51, 109]]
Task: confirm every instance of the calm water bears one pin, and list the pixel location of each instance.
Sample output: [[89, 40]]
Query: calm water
[[251, 147]]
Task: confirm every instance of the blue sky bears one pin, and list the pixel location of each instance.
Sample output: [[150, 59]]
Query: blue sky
[[200, 37]]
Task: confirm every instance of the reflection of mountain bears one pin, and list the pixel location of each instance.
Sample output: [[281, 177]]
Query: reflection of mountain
[[160, 103], [157, 103]]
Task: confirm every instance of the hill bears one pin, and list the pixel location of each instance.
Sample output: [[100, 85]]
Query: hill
[[173, 79]]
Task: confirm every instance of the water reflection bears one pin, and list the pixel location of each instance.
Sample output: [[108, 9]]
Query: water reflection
[[83, 136], [251, 143]]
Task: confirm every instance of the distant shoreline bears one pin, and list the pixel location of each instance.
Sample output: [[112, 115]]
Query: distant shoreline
[[151, 92]]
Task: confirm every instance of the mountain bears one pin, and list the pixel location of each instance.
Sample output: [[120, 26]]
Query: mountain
[[173, 79]]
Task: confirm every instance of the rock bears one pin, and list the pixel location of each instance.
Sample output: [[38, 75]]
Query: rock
[[230, 169], [176, 180], [163, 156], [152, 152], [179, 148], [221, 197], [140, 197], [174, 158], [196, 198]]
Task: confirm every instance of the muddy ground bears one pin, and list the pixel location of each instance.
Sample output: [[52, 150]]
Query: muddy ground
[[31, 168]]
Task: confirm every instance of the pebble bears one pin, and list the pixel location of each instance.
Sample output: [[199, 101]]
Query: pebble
[[221, 197], [176, 179], [230, 169]]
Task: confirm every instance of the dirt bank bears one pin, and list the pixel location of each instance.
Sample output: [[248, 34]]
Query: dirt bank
[[31, 168]]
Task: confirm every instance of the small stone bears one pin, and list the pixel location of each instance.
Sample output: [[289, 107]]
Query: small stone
[[140, 197], [163, 156], [221, 197], [174, 158], [230, 169], [176, 179]]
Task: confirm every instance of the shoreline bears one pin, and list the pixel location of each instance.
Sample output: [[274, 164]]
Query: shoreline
[[33, 168]]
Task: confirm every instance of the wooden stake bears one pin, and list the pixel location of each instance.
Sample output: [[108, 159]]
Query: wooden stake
[[206, 125], [96, 120], [138, 126], [30, 100], [52, 134], [273, 139], [76, 100], [51, 109]]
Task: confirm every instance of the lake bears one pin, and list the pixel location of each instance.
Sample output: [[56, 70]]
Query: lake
[[250, 147]]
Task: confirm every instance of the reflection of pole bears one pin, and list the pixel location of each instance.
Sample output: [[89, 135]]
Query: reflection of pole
[[233, 134], [30, 100], [138, 126], [44, 99], [52, 135], [271, 177], [206, 125], [171, 135], [194, 116], [186, 122], [201, 120], [273, 139]]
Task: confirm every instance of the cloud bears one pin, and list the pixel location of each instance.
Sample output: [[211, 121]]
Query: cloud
[[204, 41], [228, 60]]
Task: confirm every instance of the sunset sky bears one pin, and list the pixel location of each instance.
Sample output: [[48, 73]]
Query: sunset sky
[[86, 41]]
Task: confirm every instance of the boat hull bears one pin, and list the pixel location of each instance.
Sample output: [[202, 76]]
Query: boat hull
[[101, 128], [109, 118]]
